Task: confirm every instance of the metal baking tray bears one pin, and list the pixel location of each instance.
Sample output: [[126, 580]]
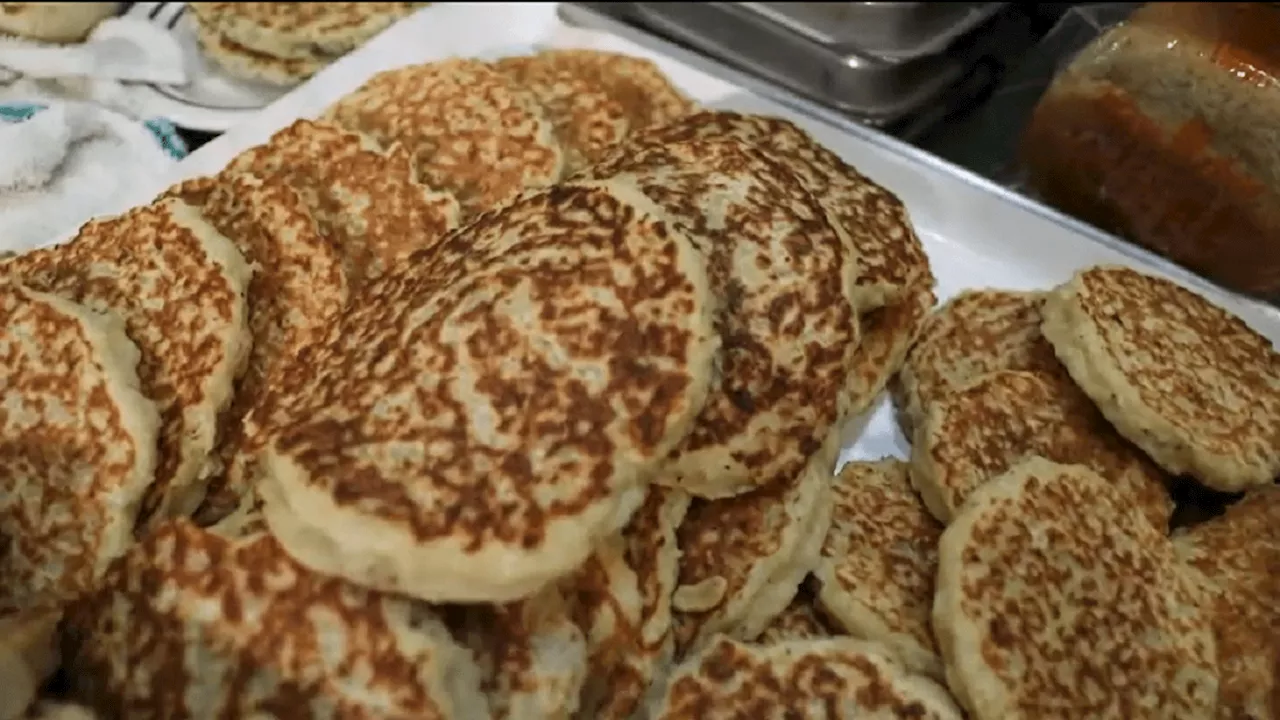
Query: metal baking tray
[[894, 31], [874, 91]]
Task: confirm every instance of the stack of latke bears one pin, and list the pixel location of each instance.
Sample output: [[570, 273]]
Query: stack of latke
[[514, 390], [284, 43]]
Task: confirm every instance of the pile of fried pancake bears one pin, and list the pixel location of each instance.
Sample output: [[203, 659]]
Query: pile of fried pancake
[[284, 43], [515, 389]]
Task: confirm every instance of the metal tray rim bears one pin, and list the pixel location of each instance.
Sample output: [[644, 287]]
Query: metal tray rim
[[949, 72], [850, 41]]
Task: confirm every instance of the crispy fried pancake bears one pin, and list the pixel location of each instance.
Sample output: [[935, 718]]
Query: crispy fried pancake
[[470, 130], [875, 578], [893, 262], [1186, 381], [790, 323], [746, 546], [887, 333], [1239, 554], [78, 448], [477, 423], [181, 289], [1056, 599], [193, 191], [785, 583], [186, 625], [300, 285], [623, 603], [893, 276], [367, 201], [327, 211], [304, 31], [245, 63], [533, 658], [594, 98], [799, 621], [977, 433], [975, 333], [837, 678]]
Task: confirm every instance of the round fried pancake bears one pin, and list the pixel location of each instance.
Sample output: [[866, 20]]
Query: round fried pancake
[[894, 284], [594, 98], [623, 604], [975, 333], [837, 678], [300, 284], [887, 333], [471, 131], [1239, 554], [245, 63], [1185, 380], [367, 201], [783, 586], [319, 31], [193, 191], [79, 445], [745, 545], [799, 621], [977, 433], [28, 656], [1055, 599], [875, 577], [893, 264], [189, 624], [181, 288], [480, 420], [790, 321], [532, 657]]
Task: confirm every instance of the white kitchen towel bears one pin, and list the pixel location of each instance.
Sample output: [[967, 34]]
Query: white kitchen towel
[[110, 68], [66, 162], [124, 49]]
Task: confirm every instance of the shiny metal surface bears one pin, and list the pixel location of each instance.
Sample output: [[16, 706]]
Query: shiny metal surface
[[875, 91], [893, 31]]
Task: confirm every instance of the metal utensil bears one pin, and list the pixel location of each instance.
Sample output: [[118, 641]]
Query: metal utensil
[[875, 91], [894, 31]]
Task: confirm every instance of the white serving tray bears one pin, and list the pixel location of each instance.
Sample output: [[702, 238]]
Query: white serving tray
[[976, 234]]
